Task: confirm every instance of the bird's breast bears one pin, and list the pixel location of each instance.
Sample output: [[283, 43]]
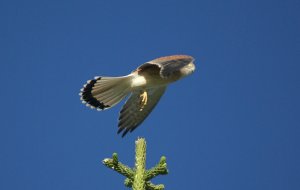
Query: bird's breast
[[147, 81], [138, 81]]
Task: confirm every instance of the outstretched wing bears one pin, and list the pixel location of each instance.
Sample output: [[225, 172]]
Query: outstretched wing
[[168, 65], [137, 108]]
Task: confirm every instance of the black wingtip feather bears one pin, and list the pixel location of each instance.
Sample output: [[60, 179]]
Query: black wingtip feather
[[124, 132], [127, 129], [120, 130]]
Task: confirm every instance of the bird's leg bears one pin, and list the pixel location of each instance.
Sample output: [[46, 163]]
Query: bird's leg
[[144, 99]]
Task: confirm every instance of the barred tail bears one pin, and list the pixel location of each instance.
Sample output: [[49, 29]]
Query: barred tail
[[105, 92]]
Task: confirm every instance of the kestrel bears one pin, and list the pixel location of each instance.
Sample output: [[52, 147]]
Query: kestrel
[[145, 85]]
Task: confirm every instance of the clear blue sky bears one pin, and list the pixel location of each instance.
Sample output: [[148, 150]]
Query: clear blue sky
[[233, 124]]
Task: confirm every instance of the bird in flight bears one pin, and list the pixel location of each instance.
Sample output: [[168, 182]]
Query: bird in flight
[[145, 85]]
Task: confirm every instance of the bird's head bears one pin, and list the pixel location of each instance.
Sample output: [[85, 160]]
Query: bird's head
[[188, 69]]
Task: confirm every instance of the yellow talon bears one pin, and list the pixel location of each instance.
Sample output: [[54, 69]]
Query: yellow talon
[[144, 100]]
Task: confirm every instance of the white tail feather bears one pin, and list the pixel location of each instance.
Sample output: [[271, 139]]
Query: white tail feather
[[105, 92]]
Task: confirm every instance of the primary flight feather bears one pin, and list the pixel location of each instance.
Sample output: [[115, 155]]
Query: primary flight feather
[[145, 85]]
